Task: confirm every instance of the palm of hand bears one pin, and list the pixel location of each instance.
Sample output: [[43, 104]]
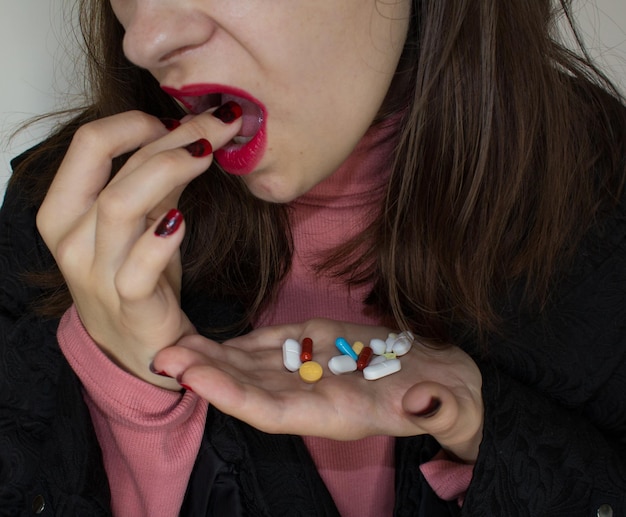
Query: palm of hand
[[245, 377]]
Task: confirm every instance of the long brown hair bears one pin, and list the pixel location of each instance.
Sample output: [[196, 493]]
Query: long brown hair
[[507, 151], [510, 145]]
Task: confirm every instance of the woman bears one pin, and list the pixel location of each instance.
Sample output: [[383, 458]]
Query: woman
[[440, 167]]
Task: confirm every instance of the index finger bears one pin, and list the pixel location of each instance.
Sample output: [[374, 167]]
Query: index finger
[[86, 167]]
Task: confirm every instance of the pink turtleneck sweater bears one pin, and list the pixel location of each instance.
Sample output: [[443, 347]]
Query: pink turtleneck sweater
[[150, 436], [325, 217]]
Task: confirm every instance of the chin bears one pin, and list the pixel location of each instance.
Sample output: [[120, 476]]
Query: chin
[[268, 187]]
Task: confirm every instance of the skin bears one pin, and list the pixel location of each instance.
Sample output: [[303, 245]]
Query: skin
[[324, 72], [322, 77]]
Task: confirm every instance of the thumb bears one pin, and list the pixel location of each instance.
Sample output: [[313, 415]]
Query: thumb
[[437, 411], [433, 408], [431, 405]]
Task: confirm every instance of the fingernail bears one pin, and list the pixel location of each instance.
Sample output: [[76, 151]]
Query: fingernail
[[228, 112], [170, 123], [199, 148], [431, 409], [158, 372], [169, 224], [186, 387]]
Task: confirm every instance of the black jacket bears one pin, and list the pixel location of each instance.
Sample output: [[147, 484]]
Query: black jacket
[[554, 392]]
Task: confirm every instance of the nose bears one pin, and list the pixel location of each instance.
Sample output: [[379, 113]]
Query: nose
[[157, 32]]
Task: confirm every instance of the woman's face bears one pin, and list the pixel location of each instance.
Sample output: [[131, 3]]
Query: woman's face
[[310, 75]]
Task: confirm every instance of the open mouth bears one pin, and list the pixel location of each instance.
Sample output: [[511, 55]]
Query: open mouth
[[246, 149], [252, 117]]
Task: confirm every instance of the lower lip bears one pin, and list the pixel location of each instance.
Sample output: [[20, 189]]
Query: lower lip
[[242, 159]]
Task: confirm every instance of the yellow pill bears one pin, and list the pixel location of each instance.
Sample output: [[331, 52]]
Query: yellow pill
[[357, 347], [311, 371], [389, 355]]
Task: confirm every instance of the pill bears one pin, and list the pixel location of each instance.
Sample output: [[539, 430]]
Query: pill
[[364, 358], [377, 359], [357, 346], [344, 347], [307, 350], [389, 355], [402, 345], [378, 346], [291, 355], [341, 364], [371, 373], [311, 371]]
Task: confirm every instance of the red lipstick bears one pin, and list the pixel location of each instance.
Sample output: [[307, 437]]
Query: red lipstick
[[242, 154]]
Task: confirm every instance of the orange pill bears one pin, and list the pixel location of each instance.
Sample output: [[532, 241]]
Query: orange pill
[[364, 358], [307, 350]]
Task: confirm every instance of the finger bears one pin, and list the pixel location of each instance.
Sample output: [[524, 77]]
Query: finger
[[216, 381], [124, 209], [269, 338], [154, 184], [86, 168], [437, 411], [241, 359], [154, 251], [195, 128]]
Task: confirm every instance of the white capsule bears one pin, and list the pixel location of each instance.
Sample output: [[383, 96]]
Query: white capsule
[[378, 346], [291, 355], [371, 373], [341, 364], [377, 359], [401, 345]]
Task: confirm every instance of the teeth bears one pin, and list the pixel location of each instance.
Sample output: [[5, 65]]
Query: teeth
[[242, 139]]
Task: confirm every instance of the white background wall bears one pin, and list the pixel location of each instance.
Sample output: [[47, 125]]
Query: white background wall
[[35, 71], [36, 75]]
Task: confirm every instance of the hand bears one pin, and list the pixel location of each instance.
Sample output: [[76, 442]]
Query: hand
[[124, 280], [437, 392]]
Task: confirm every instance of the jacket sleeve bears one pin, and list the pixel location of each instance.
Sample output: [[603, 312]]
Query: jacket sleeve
[[50, 462], [555, 396]]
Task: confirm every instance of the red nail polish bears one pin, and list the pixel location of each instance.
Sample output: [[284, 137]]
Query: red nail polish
[[228, 112], [158, 372], [169, 224], [199, 148], [431, 409], [170, 123], [186, 387]]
